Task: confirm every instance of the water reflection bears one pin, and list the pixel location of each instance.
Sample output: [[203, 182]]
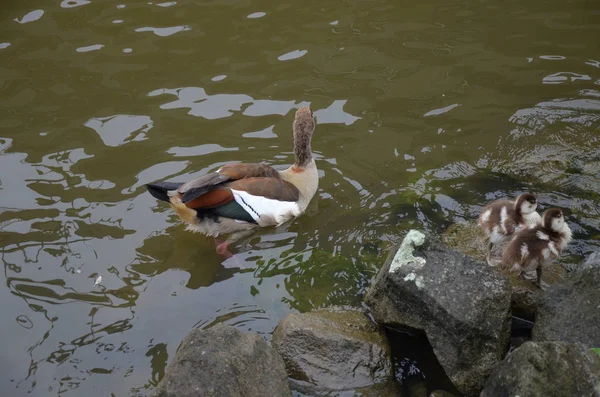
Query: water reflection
[[421, 122], [121, 128], [164, 32], [73, 3], [30, 16], [94, 47], [219, 106]]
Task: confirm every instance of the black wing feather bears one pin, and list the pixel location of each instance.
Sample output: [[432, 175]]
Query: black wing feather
[[159, 189]]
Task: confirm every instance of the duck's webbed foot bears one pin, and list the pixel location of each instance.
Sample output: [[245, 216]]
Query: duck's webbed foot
[[530, 275], [536, 277], [488, 255], [223, 244], [223, 249], [539, 282]]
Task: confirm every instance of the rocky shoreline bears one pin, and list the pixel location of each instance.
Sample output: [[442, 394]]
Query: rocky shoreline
[[462, 306]]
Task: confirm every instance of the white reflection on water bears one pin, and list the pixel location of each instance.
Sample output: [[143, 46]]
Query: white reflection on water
[[199, 150], [584, 112], [121, 128], [335, 114], [73, 3], [255, 15], [292, 55], [30, 16], [437, 112], [89, 48], [264, 134], [219, 106], [163, 32]]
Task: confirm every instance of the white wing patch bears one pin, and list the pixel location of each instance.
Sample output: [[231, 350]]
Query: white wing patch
[[542, 236], [532, 218], [485, 216], [264, 211], [496, 235], [524, 251], [503, 218], [567, 235], [546, 253], [553, 249]]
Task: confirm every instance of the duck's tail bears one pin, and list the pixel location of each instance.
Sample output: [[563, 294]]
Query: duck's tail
[[160, 190]]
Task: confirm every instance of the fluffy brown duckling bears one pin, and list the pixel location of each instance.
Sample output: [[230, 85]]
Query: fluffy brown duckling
[[534, 246], [501, 218]]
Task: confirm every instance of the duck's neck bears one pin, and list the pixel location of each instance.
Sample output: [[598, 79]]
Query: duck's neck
[[302, 150], [305, 178]]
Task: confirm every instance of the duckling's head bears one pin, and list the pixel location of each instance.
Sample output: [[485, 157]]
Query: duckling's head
[[554, 219], [526, 203], [304, 126]]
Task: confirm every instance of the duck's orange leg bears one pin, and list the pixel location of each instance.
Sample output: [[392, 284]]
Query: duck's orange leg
[[222, 246]]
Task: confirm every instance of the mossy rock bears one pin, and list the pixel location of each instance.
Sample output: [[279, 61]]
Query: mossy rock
[[334, 350]]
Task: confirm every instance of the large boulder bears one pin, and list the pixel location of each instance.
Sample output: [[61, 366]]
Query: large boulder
[[570, 311], [469, 239], [222, 361], [462, 306], [546, 369], [333, 350]]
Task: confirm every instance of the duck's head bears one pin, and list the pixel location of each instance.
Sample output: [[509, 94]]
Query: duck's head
[[304, 126], [554, 219], [526, 203]]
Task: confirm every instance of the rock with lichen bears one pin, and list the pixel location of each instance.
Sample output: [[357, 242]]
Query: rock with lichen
[[462, 306]]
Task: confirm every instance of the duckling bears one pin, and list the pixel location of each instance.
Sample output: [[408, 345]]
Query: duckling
[[501, 218], [240, 197], [536, 245]]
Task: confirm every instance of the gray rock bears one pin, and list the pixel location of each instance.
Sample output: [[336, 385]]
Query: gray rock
[[570, 311], [222, 361], [546, 369], [441, 393], [461, 304], [592, 261], [387, 389], [330, 350]]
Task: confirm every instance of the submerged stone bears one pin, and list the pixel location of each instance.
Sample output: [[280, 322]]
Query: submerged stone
[[222, 361]]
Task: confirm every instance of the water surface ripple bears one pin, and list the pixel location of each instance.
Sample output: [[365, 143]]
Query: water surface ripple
[[425, 112]]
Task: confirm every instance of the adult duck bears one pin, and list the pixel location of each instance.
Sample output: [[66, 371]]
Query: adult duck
[[240, 197]]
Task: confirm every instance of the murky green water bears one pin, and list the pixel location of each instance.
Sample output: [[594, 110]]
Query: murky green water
[[425, 111]]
